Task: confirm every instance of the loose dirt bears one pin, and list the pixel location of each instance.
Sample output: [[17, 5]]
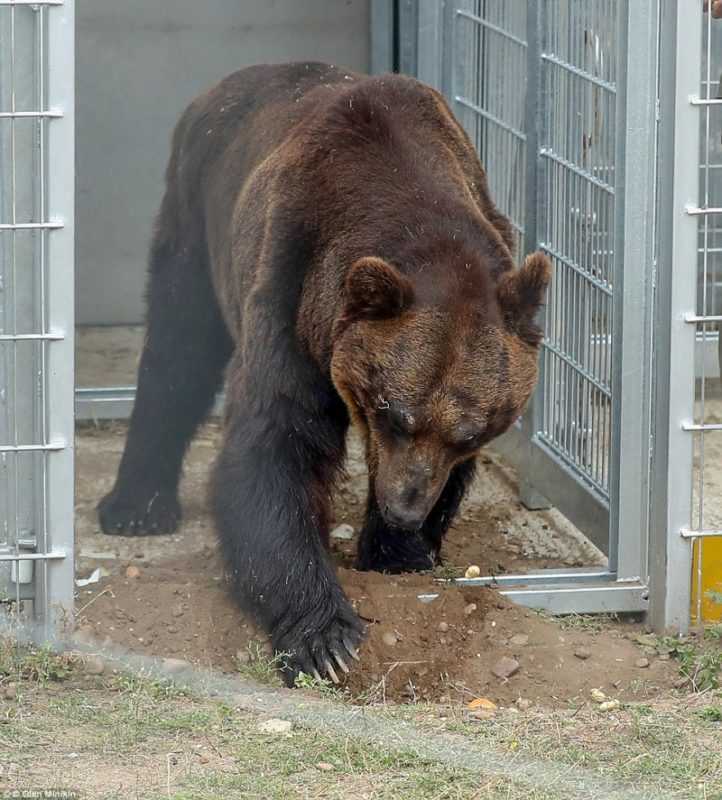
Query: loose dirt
[[443, 649]]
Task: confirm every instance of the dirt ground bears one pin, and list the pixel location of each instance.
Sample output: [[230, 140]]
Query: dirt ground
[[444, 649]]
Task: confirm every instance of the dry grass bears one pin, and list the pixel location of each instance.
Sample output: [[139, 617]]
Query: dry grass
[[119, 735]]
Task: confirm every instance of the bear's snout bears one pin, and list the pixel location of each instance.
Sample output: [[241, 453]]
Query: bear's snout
[[405, 504]]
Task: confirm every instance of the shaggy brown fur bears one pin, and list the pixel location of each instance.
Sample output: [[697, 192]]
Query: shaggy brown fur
[[330, 237]]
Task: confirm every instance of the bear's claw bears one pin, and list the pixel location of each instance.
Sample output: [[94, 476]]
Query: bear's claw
[[119, 517], [316, 654]]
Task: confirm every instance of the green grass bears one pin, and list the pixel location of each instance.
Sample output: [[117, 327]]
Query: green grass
[[104, 735], [257, 665], [700, 661], [35, 664], [669, 746]]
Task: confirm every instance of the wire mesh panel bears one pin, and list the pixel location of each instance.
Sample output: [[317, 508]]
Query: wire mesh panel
[[535, 87], [490, 72], [545, 91], [705, 526], [36, 306], [576, 229]]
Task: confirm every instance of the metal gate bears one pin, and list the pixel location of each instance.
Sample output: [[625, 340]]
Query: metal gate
[[559, 99], [36, 308]]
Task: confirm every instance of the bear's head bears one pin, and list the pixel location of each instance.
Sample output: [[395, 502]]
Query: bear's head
[[432, 374]]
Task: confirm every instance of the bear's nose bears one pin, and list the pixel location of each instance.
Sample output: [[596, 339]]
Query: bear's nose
[[406, 518], [408, 510]]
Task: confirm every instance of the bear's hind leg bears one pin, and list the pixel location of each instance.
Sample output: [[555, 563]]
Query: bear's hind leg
[[186, 349]]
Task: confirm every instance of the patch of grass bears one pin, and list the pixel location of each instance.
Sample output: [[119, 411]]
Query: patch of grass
[[447, 572], [667, 747], [259, 666], [324, 687], [699, 663], [38, 664], [592, 623], [713, 633], [154, 688], [711, 714]]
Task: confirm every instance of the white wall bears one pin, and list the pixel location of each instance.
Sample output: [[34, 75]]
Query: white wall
[[139, 62]]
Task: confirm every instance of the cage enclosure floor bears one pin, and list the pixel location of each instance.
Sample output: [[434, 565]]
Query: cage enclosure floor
[[177, 606]]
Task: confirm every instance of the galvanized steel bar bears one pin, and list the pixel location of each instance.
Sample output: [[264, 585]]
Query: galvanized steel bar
[[634, 245], [678, 189], [56, 589]]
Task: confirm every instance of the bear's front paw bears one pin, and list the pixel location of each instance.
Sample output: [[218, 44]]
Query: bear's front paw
[[320, 651], [120, 516]]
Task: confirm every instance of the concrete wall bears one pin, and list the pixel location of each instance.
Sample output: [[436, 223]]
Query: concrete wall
[[139, 62]]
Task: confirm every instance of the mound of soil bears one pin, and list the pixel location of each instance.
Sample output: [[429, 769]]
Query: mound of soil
[[416, 649], [178, 607]]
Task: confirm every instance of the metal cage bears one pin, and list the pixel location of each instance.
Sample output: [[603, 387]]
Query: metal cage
[[559, 99], [595, 120], [36, 308]]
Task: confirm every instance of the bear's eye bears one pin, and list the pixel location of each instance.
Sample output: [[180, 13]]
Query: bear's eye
[[468, 439]]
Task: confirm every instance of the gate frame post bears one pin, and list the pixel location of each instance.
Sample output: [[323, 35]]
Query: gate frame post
[[532, 419], [678, 188], [634, 266]]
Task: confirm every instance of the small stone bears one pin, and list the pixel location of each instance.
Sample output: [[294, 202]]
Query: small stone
[[10, 692], [470, 609], [203, 758], [343, 532], [132, 572], [324, 766], [175, 664], [443, 627], [482, 713], [519, 640], [94, 665], [642, 663], [523, 704], [598, 695], [472, 572], [276, 726], [389, 639], [178, 611], [609, 705], [664, 657], [505, 667], [680, 683], [583, 653]]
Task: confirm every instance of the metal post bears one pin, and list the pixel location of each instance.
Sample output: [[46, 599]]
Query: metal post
[[408, 30], [430, 42], [532, 421], [674, 344], [382, 36], [635, 173], [56, 589]]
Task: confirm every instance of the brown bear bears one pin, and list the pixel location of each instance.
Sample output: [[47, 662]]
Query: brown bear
[[330, 239]]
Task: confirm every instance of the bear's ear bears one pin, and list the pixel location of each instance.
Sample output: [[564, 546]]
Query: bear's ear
[[375, 290], [521, 293]]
